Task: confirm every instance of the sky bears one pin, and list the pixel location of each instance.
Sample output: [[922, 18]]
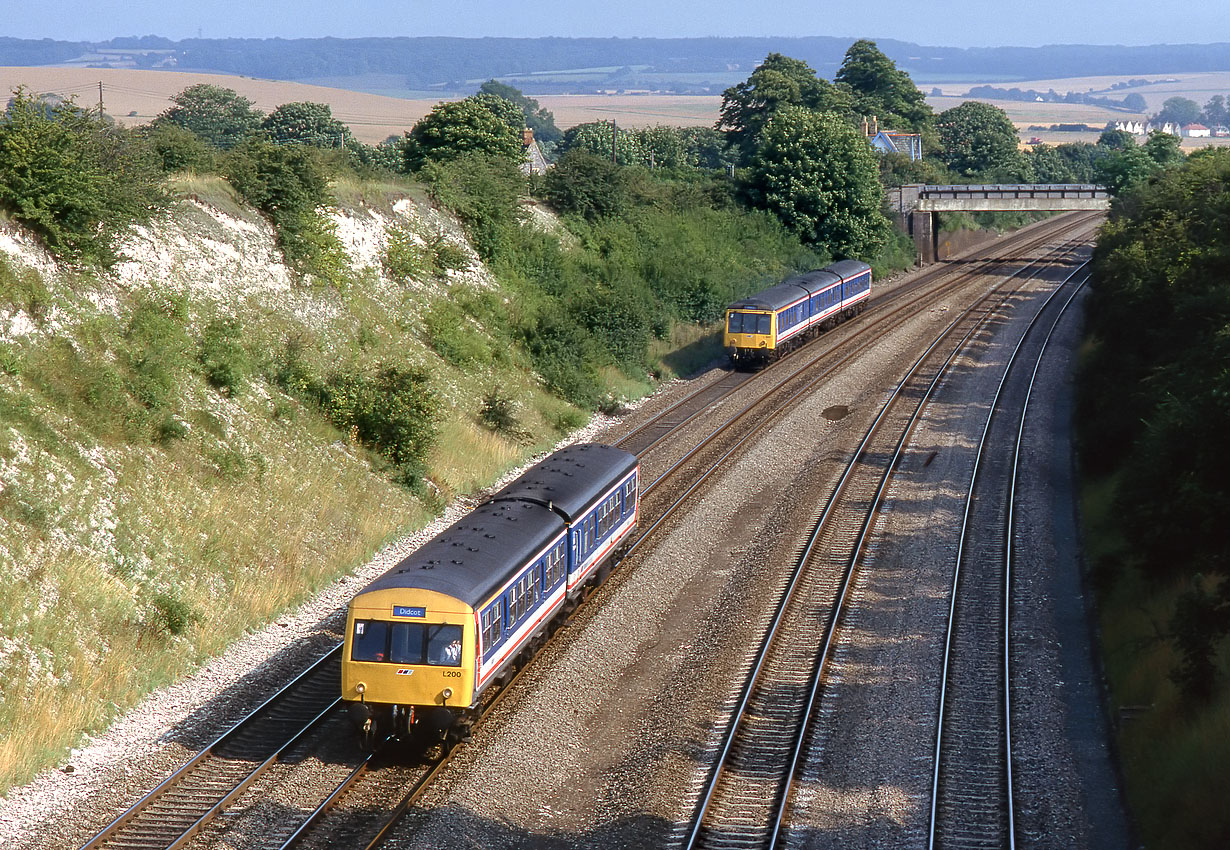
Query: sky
[[950, 23]]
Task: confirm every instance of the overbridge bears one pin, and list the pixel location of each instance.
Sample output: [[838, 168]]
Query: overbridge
[[915, 204]]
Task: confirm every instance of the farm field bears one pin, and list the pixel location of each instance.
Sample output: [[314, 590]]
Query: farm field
[[135, 97]]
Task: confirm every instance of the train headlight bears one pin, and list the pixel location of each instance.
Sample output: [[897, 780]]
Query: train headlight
[[446, 693], [361, 688]]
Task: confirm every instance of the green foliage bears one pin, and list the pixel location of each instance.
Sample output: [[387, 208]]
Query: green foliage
[[596, 137], [179, 149], [76, 183], [454, 336], [23, 291], [224, 360], [404, 259], [289, 183], [498, 412], [1156, 395], [390, 409], [883, 90], [219, 116], [977, 138], [820, 177], [586, 185], [1126, 168], [483, 125], [484, 192], [306, 123], [1179, 110], [777, 83], [537, 118]]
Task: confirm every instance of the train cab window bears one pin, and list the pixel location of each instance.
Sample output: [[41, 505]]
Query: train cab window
[[406, 643], [370, 640], [444, 646]]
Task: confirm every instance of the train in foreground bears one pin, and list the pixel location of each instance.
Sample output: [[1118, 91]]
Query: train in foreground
[[426, 641], [765, 326]]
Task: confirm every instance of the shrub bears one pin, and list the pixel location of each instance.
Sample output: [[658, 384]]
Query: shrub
[[75, 182], [484, 192], [404, 258], [454, 335], [498, 412], [224, 360]]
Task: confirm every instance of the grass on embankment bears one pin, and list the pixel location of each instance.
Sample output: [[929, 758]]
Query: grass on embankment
[[1174, 752]]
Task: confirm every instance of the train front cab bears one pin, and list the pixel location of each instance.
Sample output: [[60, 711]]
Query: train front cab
[[399, 664], [749, 336]]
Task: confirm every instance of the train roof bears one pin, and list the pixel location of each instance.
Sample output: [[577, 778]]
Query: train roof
[[571, 479], [815, 280], [771, 299], [848, 268], [793, 288], [475, 556]]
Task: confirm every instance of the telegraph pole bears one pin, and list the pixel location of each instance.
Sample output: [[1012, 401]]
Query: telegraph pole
[[100, 102]]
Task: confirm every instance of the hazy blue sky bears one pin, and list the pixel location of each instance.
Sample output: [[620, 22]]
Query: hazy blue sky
[[959, 23]]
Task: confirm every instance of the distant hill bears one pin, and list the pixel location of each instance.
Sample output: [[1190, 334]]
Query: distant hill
[[586, 65]]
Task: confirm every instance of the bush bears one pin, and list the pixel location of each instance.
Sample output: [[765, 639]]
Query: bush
[[76, 183], [223, 358], [404, 258], [498, 412], [485, 193], [289, 183], [454, 335]]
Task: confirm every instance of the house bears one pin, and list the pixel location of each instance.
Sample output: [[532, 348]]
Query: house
[[1167, 127], [887, 141], [1221, 131], [1195, 131], [1136, 128]]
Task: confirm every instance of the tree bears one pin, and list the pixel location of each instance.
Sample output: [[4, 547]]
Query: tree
[[819, 176], [1216, 112], [777, 83], [537, 118], [218, 115], [881, 89], [1135, 102], [306, 123], [976, 137], [595, 138], [483, 124], [1116, 140], [1179, 110]]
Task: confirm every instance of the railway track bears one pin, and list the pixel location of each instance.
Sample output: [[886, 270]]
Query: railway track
[[972, 799], [743, 801], [186, 802], [887, 312]]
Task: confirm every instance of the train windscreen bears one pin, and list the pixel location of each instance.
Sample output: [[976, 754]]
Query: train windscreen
[[748, 323], [406, 643]]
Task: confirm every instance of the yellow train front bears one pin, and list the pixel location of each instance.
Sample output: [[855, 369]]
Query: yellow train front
[[766, 325], [428, 638]]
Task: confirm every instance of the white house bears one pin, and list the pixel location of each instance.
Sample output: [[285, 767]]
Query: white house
[[1136, 128], [1195, 131], [1168, 127]]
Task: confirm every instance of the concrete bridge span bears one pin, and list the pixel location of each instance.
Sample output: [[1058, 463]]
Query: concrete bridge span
[[914, 204]]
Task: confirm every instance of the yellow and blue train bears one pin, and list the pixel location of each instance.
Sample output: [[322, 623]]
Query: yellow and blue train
[[425, 641], [768, 324]]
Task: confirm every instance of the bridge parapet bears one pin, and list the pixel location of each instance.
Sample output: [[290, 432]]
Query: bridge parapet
[[1014, 197]]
